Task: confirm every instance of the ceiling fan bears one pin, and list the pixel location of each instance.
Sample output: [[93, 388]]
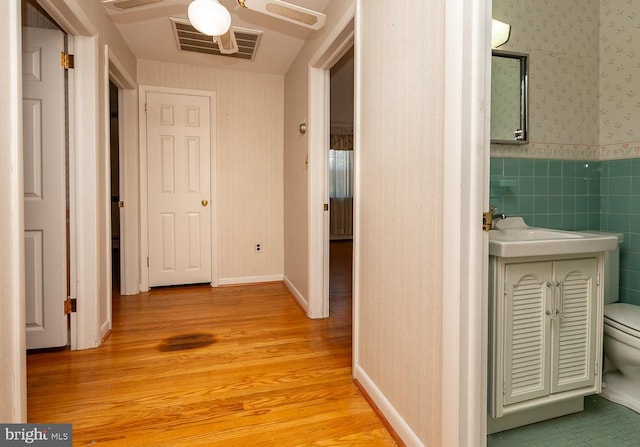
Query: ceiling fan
[[210, 17]]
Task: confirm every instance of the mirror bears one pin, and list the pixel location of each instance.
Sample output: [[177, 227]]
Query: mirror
[[509, 73]]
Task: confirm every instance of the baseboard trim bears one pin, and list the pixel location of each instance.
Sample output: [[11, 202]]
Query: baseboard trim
[[105, 336], [378, 412], [248, 280], [299, 298], [399, 430]]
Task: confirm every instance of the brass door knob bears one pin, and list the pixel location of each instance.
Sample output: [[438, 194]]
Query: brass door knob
[[205, 202]]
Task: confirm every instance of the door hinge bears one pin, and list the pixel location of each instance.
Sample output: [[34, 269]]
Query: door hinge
[[145, 107], [147, 261], [69, 305], [597, 278], [66, 60], [326, 207], [121, 204], [487, 217]]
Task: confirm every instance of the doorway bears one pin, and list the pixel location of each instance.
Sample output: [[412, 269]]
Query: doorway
[[340, 180], [114, 157], [177, 187], [319, 114]]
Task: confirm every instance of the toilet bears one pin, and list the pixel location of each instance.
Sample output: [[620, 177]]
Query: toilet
[[621, 379]]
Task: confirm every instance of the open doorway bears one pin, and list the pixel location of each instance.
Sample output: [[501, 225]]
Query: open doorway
[[340, 179], [114, 144]]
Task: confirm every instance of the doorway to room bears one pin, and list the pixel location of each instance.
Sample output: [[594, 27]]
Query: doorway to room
[[114, 145], [340, 180]]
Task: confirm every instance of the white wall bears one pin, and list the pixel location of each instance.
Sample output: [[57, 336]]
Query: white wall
[[249, 148], [399, 138]]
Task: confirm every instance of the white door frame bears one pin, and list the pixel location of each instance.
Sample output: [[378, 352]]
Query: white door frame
[[114, 72], [144, 223], [83, 187], [13, 371], [129, 171], [467, 74], [337, 44]]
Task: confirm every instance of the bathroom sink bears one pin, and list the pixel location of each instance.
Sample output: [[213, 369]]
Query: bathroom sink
[[533, 234], [514, 238]]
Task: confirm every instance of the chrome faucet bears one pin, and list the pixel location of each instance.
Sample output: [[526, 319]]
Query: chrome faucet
[[495, 217]]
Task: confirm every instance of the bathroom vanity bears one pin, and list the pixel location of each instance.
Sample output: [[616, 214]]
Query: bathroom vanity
[[545, 322]]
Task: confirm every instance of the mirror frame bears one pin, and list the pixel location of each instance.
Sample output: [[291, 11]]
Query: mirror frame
[[524, 95]]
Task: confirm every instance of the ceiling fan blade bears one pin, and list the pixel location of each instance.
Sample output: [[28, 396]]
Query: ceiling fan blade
[[286, 11], [127, 4], [227, 43]]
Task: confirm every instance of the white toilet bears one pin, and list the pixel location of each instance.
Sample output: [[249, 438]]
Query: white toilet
[[621, 380]]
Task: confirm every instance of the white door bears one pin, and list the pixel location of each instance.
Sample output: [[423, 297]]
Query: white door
[[179, 212], [44, 188]]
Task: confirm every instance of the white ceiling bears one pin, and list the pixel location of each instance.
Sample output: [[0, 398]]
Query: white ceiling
[[149, 33]]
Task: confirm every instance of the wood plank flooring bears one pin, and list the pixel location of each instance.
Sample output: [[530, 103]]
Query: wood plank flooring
[[201, 366]]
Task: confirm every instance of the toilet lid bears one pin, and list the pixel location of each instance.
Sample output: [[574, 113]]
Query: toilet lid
[[627, 315]]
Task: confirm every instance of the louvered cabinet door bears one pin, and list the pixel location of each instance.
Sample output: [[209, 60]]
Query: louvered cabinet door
[[527, 341], [574, 336]]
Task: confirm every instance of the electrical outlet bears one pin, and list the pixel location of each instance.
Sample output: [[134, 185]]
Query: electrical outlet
[[258, 248]]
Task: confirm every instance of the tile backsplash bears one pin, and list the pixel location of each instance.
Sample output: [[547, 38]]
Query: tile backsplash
[[561, 194], [576, 195]]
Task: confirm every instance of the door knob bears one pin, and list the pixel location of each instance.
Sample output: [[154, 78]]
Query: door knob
[[205, 202]]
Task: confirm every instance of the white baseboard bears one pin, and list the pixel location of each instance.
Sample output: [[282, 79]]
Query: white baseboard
[[105, 328], [248, 280], [297, 295], [393, 417]]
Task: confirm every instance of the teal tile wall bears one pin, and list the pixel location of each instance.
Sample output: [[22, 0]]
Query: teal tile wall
[[620, 207], [576, 195], [561, 194]]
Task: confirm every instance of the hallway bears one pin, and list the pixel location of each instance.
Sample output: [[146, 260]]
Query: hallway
[[201, 366]]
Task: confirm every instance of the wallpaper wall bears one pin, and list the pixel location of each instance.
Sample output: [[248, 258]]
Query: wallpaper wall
[[619, 79], [584, 77], [561, 38]]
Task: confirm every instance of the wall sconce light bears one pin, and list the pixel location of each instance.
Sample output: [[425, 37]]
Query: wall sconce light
[[500, 33], [303, 128], [209, 17]]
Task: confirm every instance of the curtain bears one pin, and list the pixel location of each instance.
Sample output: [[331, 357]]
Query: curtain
[[341, 192], [340, 173]]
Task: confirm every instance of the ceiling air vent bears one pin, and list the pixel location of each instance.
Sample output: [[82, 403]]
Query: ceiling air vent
[[189, 39]]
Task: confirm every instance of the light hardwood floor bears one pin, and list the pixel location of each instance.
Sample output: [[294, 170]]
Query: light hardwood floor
[[201, 366]]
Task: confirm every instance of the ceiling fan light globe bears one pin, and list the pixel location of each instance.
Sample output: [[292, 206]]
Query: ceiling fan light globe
[[209, 17]]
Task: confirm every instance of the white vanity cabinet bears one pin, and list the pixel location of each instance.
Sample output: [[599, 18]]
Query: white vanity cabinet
[[545, 337]]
